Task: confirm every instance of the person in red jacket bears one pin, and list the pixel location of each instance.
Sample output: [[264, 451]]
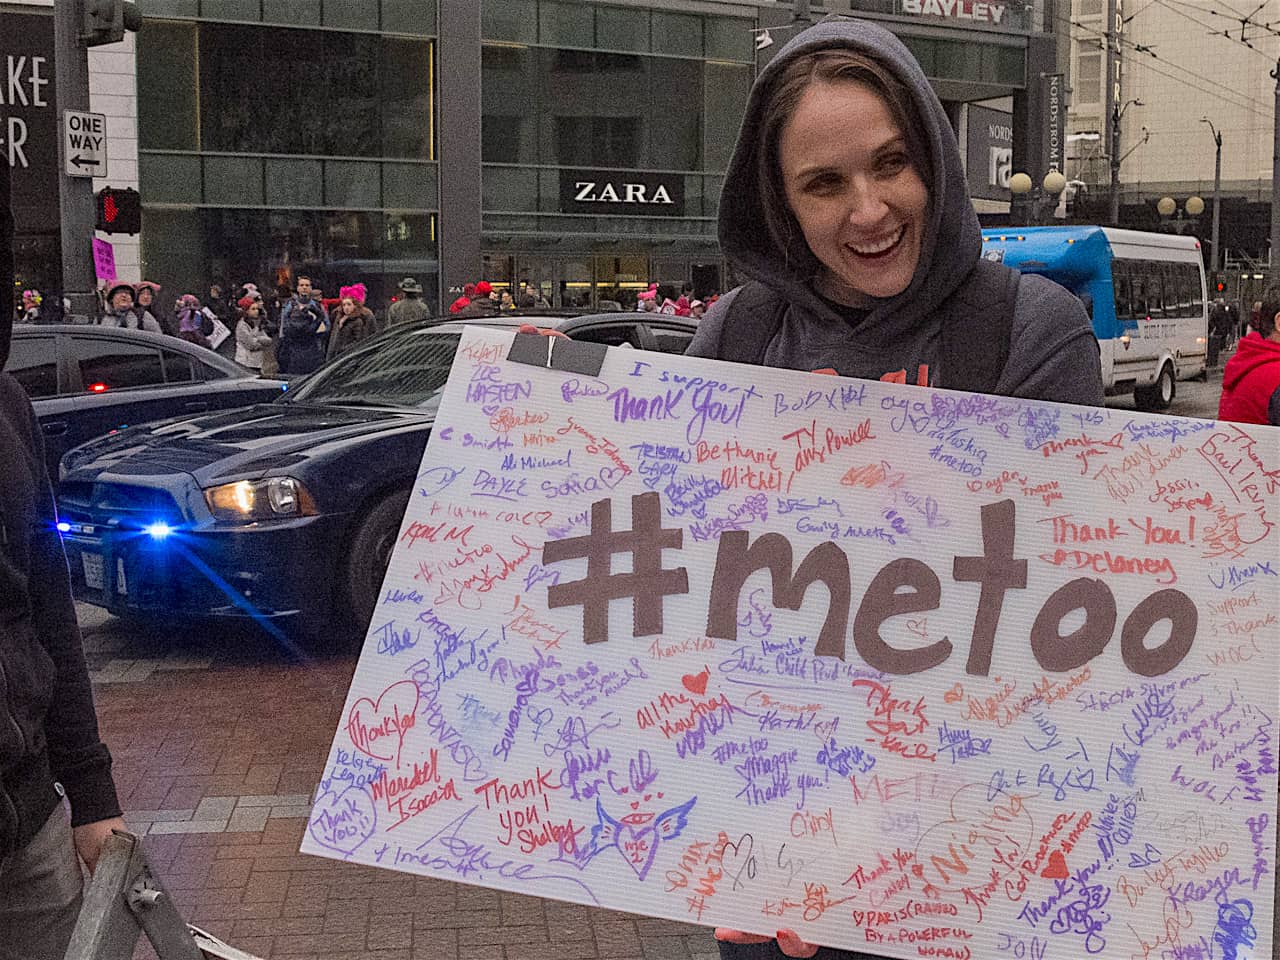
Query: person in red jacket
[[1251, 380]]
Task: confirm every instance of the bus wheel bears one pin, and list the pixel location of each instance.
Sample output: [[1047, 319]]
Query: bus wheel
[[1159, 395]]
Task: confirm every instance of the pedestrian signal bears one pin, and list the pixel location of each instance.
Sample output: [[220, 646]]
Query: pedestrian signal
[[119, 211], [1221, 286]]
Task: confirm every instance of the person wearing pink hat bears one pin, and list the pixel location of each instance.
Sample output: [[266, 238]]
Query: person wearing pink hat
[[144, 298], [31, 301], [352, 321]]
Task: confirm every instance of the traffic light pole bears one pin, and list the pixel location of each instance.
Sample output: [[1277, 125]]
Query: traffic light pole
[[71, 71]]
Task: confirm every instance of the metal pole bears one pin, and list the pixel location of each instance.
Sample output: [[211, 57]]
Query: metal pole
[[1275, 177], [1114, 217], [1217, 199], [75, 194]]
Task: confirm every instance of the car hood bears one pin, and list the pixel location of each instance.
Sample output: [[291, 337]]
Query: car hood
[[232, 443]]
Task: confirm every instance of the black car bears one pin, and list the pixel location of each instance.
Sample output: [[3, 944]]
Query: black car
[[87, 381], [285, 512]]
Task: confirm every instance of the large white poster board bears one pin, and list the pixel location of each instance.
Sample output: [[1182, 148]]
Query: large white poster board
[[912, 671]]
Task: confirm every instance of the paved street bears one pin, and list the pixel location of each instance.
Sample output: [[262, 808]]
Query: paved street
[[219, 740]]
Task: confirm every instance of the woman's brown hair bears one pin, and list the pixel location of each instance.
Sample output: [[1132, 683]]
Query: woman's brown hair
[[834, 65]]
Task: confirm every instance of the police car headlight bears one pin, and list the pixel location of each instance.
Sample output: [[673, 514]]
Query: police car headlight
[[271, 499]]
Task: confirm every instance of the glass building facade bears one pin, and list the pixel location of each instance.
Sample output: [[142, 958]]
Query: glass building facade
[[279, 137], [577, 93]]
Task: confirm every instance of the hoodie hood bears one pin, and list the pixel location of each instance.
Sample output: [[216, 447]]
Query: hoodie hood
[[1253, 351], [952, 222]]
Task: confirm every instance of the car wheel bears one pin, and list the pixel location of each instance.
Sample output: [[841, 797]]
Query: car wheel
[[368, 556], [1158, 396]]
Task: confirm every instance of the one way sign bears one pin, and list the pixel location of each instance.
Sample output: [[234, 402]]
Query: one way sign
[[84, 144]]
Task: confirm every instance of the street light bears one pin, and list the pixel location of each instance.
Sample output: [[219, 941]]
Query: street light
[[1217, 189], [1116, 159], [1167, 207], [1023, 189]]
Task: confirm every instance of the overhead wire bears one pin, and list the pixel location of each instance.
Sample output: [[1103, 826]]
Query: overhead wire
[[1231, 95], [1234, 17], [1213, 31]]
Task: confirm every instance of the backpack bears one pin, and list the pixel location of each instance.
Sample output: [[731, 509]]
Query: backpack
[[977, 323]]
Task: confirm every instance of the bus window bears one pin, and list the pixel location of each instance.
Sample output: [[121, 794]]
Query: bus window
[[1175, 290], [1188, 284], [1120, 283], [1155, 302], [1138, 283], [1197, 299]]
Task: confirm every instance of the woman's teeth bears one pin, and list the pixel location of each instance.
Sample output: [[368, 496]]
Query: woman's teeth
[[871, 249]]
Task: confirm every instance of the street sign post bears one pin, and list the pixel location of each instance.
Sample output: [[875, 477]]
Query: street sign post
[[84, 141]]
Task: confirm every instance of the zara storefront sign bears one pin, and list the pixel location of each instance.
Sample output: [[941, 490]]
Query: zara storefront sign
[[977, 10], [604, 192]]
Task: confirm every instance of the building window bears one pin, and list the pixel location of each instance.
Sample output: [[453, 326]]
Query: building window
[[1088, 80], [587, 108], [307, 92]]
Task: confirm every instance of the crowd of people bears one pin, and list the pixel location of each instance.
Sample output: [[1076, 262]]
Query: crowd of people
[[290, 331], [483, 299]]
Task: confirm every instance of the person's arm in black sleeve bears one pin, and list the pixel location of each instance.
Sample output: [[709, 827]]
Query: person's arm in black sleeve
[[80, 760], [1273, 409]]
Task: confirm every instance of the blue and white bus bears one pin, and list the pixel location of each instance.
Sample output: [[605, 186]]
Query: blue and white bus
[[1145, 293]]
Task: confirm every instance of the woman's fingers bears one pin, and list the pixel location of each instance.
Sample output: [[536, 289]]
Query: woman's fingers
[[788, 942], [793, 946], [737, 936]]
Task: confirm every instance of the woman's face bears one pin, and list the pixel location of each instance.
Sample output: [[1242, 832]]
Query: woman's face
[[348, 306], [144, 297], [852, 188]]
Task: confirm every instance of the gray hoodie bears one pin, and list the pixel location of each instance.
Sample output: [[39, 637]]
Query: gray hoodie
[[1053, 354]]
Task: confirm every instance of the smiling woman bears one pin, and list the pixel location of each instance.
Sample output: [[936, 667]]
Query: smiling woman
[[869, 261]]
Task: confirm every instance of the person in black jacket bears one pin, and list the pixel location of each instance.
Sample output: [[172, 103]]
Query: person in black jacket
[[304, 331], [50, 751]]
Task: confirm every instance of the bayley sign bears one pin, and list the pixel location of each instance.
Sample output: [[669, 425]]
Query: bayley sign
[[609, 192], [957, 10]]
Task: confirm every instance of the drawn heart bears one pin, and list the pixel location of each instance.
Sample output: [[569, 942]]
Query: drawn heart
[[1057, 868], [378, 729], [343, 821], [824, 730], [697, 682]]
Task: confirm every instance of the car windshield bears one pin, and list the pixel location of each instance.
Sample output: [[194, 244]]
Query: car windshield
[[408, 371]]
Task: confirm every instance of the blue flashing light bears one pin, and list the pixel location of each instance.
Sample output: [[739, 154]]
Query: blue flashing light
[[284, 388], [158, 530], [64, 527]]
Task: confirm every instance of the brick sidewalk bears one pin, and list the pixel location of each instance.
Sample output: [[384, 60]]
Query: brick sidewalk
[[218, 747]]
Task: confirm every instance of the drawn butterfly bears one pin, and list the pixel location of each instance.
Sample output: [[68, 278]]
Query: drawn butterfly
[[639, 847]]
